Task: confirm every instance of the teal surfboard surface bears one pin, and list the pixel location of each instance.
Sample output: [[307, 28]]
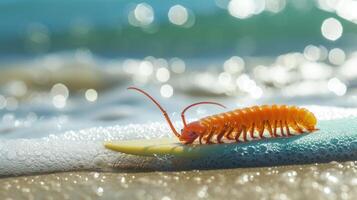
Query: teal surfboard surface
[[335, 141]]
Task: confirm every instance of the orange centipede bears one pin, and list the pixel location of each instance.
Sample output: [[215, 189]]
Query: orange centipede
[[237, 124]]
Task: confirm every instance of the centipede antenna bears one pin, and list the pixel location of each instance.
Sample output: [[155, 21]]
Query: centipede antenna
[[195, 104], [158, 105]]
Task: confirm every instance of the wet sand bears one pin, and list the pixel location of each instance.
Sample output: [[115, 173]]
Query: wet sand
[[319, 181]]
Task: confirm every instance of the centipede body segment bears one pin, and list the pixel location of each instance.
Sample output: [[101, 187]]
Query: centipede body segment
[[240, 124], [237, 124]]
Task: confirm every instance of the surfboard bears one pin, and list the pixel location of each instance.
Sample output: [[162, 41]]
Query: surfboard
[[335, 141], [322, 145]]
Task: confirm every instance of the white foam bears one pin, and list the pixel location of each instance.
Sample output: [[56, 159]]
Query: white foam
[[71, 150]]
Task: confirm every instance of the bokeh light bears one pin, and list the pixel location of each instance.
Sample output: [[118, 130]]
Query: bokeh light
[[60, 89], [59, 93], [178, 65], [241, 8], [178, 15], [59, 101], [246, 84], [163, 74], [337, 56], [337, 86], [312, 53], [224, 78], [343, 8], [331, 29], [275, 6], [166, 91], [146, 68], [234, 64], [144, 14], [130, 66], [91, 95]]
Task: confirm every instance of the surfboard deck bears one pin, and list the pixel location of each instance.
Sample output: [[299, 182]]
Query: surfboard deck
[[335, 141]]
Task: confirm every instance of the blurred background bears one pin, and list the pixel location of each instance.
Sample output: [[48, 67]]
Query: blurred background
[[65, 64]]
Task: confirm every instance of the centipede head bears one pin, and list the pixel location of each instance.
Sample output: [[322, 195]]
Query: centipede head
[[309, 121], [191, 132]]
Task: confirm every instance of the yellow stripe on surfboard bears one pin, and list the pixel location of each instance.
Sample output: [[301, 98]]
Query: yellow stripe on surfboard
[[163, 146]]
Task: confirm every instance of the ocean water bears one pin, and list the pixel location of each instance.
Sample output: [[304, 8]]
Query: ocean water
[[214, 29]]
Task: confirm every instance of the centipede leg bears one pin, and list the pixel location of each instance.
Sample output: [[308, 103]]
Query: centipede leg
[[245, 134], [227, 132], [208, 139], [275, 127], [269, 129], [261, 130], [230, 131], [210, 129], [229, 135], [221, 134], [200, 139], [281, 128], [251, 131], [287, 129], [238, 133]]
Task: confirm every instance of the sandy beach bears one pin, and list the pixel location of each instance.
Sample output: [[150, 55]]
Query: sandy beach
[[319, 181]]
